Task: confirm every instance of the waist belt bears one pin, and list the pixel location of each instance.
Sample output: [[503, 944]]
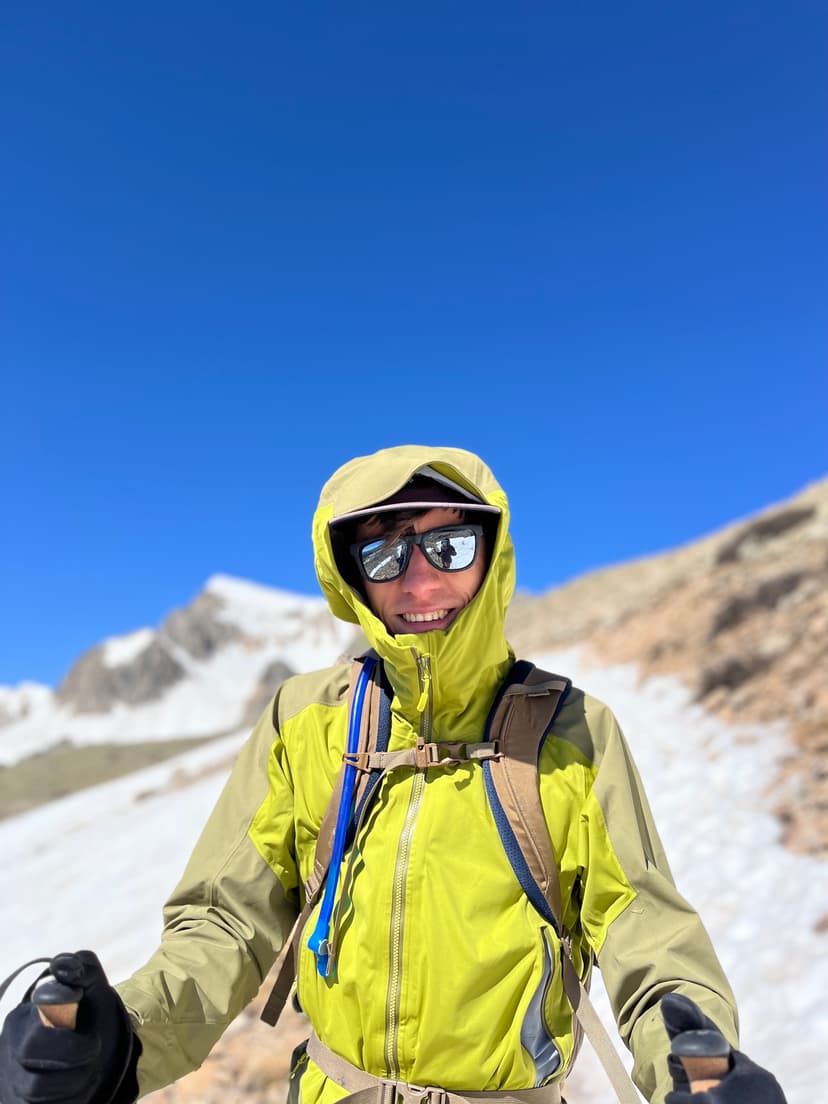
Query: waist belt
[[365, 1088]]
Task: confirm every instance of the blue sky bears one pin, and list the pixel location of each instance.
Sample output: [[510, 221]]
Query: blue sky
[[241, 245]]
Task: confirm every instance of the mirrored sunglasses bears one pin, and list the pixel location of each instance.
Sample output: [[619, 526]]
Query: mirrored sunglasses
[[448, 548]]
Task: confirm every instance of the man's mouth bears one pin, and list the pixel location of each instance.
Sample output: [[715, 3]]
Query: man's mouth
[[418, 618]]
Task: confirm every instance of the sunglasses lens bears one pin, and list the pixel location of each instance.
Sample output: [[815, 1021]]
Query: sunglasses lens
[[451, 549], [382, 561]]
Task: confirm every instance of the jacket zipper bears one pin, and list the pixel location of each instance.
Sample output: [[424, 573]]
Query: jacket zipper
[[397, 927]]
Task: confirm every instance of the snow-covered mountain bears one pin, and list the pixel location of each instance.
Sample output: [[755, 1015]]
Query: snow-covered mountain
[[208, 668]]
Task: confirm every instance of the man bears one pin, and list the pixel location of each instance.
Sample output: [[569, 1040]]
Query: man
[[439, 970]]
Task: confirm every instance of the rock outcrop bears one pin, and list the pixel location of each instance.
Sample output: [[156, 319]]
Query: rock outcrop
[[94, 686], [97, 682], [269, 682], [198, 629]]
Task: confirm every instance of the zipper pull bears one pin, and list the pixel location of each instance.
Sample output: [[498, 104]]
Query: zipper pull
[[424, 669]]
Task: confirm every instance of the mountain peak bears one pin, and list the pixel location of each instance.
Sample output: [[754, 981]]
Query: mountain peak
[[207, 668]]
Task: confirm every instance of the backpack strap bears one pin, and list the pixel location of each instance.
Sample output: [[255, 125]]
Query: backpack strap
[[520, 718], [374, 733]]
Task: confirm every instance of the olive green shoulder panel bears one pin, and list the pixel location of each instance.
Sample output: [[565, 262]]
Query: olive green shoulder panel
[[595, 885], [587, 724], [309, 723], [326, 687]]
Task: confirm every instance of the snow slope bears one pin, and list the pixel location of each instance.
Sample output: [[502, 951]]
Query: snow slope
[[93, 869]]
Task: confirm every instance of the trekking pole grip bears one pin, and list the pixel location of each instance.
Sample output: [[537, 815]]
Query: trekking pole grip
[[705, 1056], [57, 995], [57, 1004]]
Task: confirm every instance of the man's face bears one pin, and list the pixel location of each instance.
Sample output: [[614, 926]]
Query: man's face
[[423, 597]]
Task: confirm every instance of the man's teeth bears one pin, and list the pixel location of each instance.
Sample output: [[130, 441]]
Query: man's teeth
[[434, 615]]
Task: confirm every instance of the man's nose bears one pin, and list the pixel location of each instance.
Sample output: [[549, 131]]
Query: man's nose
[[420, 573]]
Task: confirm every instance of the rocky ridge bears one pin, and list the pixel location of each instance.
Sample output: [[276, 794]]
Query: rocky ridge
[[741, 617]]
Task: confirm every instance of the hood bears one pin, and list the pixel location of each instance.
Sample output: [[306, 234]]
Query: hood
[[467, 661]]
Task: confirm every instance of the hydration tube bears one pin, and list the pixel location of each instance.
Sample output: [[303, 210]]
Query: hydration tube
[[318, 941]]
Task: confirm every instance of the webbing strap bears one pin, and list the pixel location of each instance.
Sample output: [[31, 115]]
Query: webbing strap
[[595, 1031], [366, 1088], [284, 971], [423, 756]]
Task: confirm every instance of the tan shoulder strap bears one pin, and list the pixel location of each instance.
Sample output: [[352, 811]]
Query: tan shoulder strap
[[284, 969], [520, 721], [367, 743]]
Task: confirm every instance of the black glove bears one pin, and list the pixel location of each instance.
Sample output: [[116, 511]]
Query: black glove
[[94, 1064], [744, 1083]]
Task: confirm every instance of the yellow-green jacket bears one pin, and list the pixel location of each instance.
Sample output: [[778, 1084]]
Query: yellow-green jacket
[[446, 975]]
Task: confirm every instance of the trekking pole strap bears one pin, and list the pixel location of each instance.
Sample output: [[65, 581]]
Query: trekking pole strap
[[16, 973], [595, 1031], [284, 972], [366, 1088]]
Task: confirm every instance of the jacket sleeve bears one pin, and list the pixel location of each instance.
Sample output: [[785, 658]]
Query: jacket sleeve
[[224, 923], [648, 940]]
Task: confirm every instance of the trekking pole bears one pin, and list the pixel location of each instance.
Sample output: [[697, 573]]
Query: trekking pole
[[705, 1056]]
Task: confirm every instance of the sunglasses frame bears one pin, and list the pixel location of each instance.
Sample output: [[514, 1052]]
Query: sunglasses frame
[[410, 539]]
